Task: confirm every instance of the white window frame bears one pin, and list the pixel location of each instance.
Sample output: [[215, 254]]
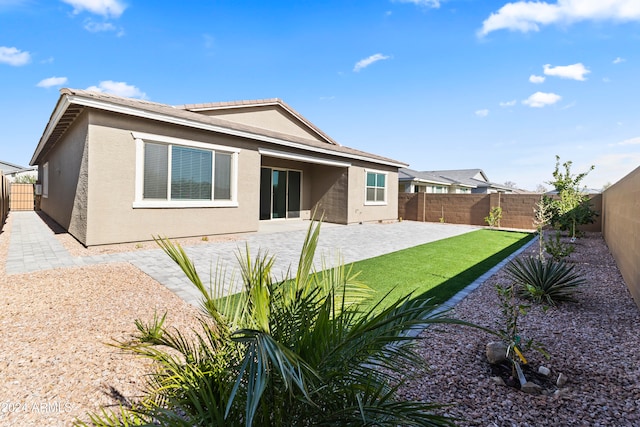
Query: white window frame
[[386, 188], [139, 202], [45, 180]]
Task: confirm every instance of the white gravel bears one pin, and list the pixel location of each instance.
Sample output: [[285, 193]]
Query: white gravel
[[56, 364]]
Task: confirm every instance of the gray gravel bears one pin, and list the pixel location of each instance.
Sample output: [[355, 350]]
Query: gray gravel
[[594, 342]]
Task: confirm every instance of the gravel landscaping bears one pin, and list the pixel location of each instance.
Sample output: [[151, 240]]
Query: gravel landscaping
[[54, 330], [56, 364], [593, 342]]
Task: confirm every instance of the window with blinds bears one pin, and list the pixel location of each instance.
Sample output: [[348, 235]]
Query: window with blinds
[[180, 173], [191, 176], [156, 167]]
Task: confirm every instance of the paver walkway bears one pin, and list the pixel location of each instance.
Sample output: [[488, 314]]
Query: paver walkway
[[33, 246]]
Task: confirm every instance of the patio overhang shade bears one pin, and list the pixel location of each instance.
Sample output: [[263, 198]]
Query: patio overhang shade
[[303, 158]]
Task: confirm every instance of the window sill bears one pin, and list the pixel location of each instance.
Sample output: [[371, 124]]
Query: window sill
[[184, 204], [375, 203]]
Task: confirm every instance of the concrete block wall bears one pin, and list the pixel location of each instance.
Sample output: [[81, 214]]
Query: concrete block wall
[[518, 210], [621, 228], [472, 209], [457, 208]]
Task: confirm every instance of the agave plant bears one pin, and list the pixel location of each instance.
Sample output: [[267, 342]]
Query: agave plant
[[304, 351], [548, 282]]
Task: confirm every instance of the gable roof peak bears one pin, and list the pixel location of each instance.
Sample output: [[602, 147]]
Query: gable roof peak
[[231, 105]]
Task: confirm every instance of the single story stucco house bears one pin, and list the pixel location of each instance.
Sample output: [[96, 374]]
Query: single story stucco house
[[116, 169]]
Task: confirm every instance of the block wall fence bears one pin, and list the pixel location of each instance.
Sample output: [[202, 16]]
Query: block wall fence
[[621, 229], [517, 209]]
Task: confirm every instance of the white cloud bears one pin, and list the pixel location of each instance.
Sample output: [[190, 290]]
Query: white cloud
[[630, 141], [52, 81], [574, 71], [541, 99], [618, 60], [528, 16], [508, 103], [106, 8], [118, 88], [425, 3], [364, 63], [536, 79], [13, 56], [98, 27], [482, 113]]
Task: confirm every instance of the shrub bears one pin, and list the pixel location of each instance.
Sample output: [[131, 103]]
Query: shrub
[[302, 351], [495, 215], [572, 208], [510, 333], [542, 216], [557, 249], [547, 282]]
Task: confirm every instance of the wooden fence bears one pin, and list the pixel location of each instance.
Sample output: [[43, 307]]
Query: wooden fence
[[21, 197]]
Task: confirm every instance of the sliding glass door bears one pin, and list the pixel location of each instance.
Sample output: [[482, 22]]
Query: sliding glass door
[[279, 193]]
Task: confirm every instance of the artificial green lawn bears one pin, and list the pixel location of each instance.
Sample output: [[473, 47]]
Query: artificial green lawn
[[436, 270], [439, 269]]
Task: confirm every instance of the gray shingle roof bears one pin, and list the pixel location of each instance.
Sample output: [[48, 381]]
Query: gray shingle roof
[[461, 177], [73, 101], [7, 167]]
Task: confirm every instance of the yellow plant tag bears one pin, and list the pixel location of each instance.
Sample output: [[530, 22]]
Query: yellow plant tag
[[520, 355]]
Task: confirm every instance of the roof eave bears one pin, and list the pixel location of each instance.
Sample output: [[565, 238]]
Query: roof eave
[[58, 112], [68, 99]]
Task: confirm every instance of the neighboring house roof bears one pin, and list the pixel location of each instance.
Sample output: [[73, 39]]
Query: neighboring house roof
[[8, 168], [583, 190], [73, 101], [472, 178], [277, 102], [405, 174]]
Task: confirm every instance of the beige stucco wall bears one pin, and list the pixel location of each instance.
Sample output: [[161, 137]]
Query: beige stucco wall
[[92, 173], [269, 117], [357, 210], [621, 228], [111, 216], [68, 187]]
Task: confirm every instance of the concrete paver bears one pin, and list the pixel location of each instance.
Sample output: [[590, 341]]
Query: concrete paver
[[33, 247]]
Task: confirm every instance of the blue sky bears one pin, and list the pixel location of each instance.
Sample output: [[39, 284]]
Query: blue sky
[[439, 84]]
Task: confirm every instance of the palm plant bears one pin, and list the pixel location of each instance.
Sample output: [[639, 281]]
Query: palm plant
[[296, 352], [548, 282]]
